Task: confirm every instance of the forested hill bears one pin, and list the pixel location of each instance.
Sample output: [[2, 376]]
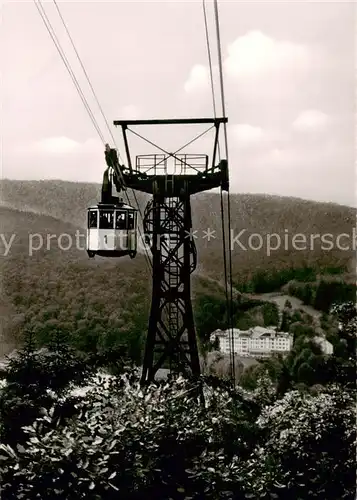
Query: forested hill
[[103, 302], [47, 287], [60, 298], [259, 214], [68, 201]]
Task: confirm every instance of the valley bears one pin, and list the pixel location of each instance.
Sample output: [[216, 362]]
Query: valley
[[72, 318]]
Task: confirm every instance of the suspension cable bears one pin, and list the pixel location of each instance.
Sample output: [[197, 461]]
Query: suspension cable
[[210, 67], [231, 361], [106, 122], [54, 37], [228, 194], [85, 72], [55, 40], [220, 67], [209, 56]]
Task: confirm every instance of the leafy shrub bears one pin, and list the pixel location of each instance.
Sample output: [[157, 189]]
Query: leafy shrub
[[310, 447], [156, 443], [125, 442]]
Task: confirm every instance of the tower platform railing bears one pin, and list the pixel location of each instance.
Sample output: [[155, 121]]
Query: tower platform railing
[[175, 164]]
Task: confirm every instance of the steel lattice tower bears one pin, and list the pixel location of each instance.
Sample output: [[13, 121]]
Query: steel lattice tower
[[171, 339]]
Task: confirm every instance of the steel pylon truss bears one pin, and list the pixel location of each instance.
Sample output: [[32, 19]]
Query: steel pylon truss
[[171, 340]]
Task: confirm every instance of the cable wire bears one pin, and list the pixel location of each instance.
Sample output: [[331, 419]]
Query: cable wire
[[228, 194], [54, 37], [220, 66], [229, 315], [85, 72], [55, 40], [210, 66], [105, 119], [209, 56]]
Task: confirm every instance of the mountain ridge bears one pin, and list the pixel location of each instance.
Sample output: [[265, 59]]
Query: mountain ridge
[[264, 215], [5, 181], [110, 298]]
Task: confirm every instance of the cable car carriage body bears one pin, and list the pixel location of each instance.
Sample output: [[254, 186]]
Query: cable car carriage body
[[112, 230]]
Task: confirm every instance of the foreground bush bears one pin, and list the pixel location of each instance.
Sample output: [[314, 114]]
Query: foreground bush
[[122, 440], [308, 449], [161, 443]]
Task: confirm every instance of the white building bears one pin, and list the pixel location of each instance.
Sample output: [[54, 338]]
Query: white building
[[255, 342]]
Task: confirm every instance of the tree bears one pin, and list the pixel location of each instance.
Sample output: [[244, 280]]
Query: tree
[[284, 383], [307, 437], [344, 365], [300, 329], [271, 314], [285, 321], [347, 316], [305, 374]]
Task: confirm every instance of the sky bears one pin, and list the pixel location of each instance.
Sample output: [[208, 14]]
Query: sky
[[289, 85]]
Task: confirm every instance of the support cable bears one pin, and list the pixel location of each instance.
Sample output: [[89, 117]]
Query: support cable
[[209, 57], [210, 66], [231, 358], [106, 122], [228, 194], [55, 40], [85, 72]]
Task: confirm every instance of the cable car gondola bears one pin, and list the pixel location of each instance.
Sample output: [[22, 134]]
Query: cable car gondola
[[112, 230]]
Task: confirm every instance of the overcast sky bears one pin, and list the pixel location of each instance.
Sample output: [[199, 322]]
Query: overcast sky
[[289, 71]]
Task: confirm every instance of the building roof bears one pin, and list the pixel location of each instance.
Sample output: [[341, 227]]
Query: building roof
[[255, 332], [111, 206], [218, 333]]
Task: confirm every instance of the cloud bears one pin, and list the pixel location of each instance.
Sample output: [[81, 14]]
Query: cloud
[[246, 135], [256, 53], [260, 68], [198, 78], [53, 158], [311, 119], [280, 170], [56, 145], [59, 146], [250, 139], [129, 112]]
